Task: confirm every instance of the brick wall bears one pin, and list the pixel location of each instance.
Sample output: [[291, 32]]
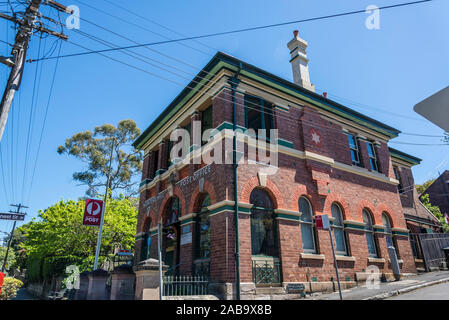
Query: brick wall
[[296, 177]]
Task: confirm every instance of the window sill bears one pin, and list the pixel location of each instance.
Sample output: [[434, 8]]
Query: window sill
[[376, 260], [345, 258], [400, 261], [312, 256]]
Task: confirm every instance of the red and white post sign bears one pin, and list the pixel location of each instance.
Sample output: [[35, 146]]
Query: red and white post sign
[[93, 212], [322, 222], [2, 276]]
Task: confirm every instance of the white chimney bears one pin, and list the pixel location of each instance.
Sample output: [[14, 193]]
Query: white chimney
[[299, 61]]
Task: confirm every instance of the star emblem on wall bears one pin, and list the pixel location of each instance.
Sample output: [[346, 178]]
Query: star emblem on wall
[[316, 137]]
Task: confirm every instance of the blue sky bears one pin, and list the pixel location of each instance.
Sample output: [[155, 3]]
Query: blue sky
[[382, 73]]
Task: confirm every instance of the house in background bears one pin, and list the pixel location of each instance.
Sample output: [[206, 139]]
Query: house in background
[[438, 192], [418, 218]]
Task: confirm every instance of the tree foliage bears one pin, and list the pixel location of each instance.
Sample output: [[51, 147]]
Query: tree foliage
[[423, 187], [10, 287], [11, 257], [435, 210], [95, 150], [59, 238]]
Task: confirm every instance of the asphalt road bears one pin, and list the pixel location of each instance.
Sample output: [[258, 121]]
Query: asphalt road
[[436, 292]]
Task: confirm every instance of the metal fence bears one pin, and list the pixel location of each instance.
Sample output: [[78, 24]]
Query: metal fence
[[431, 245], [266, 272], [186, 285]]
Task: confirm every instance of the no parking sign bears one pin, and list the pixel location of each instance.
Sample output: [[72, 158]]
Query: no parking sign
[[93, 212]]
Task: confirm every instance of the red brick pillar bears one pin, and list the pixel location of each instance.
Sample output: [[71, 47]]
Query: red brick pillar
[[383, 158], [163, 156], [187, 234], [406, 254], [151, 165], [364, 157], [289, 253], [246, 263], [222, 247]]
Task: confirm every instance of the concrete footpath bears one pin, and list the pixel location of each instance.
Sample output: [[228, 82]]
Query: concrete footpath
[[388, 289]]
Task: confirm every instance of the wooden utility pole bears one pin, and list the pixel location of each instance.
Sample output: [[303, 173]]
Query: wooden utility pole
[[26, 27], [18, 206]]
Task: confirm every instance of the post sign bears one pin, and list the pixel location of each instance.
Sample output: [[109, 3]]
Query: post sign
[[93, 212], [2, 276], [322, 222]]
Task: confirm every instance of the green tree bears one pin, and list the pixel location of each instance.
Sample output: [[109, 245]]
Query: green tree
[[10, 287], [11, 257], [59, 238], [435, 210], [423, 187], [95, 150]]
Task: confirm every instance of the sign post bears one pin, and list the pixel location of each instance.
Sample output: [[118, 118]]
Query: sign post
[[159, 246], [322, 222], [94, 216], [16, 216]]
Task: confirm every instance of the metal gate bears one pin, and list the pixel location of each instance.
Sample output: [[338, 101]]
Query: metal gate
[[186, 285], [431, 245], [267, 272]]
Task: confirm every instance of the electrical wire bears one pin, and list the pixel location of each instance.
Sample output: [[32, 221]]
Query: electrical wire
[[234, 31], [109, 45], [44, 122], [156, 23], [139, 26], [158, 76]]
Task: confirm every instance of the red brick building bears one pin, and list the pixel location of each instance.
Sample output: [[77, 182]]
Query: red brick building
[[331, 160], [438, 192]]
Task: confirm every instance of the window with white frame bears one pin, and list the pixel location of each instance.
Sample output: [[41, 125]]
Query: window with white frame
[[354, 148], [307, 226], [372, 156], [341, 243], [386, 221], [369, 232]]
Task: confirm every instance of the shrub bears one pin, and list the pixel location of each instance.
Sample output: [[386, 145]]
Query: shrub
[[10, 287]]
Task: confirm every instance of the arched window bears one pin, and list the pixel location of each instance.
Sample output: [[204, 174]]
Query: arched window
[[202, 227], [146, 242], [369, 232], [173, 211], [307, 226], [386, 221], [339, 230], [263, 225], [171, 231]]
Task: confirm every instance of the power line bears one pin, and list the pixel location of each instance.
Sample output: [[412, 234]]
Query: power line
[[30, 120], [420, 144], [44, 122], [156, 23], [145, 57], [196, 90], [233, 31], [141, 27]]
